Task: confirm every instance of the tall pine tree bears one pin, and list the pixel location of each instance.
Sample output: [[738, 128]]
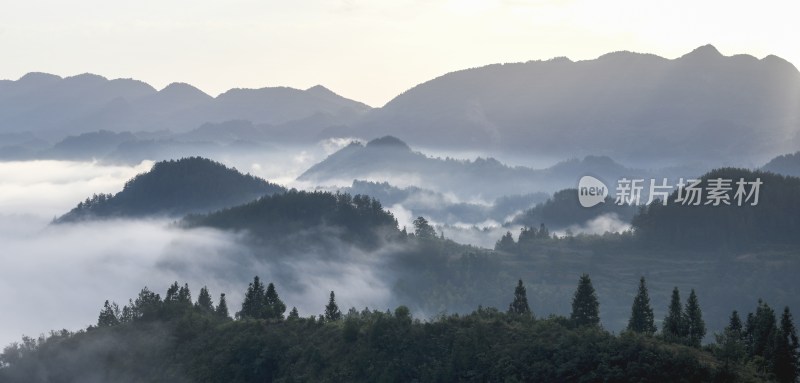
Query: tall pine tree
[[253, 303], [222, 307], [695, 327], [520, 304], [332, 312], [785, 363], [585, 308], [642, 319], [674, 329], [109, 316], [273, 306], [204, 302]]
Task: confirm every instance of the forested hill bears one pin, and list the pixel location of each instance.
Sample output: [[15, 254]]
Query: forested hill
[[389, 158], [176, 339], [787, 164], [282, 217], [175, 188], [775, 220]]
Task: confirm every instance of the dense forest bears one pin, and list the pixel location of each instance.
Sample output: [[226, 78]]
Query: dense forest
[[775, 220], [175, 188], [357, 219], [178, 339], [563, 210]]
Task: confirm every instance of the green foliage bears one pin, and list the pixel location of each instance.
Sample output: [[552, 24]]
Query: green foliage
[[332, 312], [222, 307], [585, 307], [693, 321], [261, 304], [519, 305], [422, 229], [109, 316], [642, 319], [773, 221], [298, 217], [204, 300], [188, 185], [674, 328], [563, 210]]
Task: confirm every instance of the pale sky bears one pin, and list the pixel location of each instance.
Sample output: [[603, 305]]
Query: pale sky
[[366, 50]]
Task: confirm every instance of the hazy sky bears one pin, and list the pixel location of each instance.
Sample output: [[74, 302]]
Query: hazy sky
[[366, 50]]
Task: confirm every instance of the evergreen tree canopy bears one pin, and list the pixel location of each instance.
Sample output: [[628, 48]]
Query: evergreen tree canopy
[[695, 326], [332, 312], [422, 229], [109, 316], [674, 329], [642, 319], [585, 307], [204, 300], [273, 305], [253, 303], [222, 307], [520, 303]]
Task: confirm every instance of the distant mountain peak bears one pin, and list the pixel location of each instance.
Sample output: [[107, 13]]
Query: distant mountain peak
[[705, 51], [388, 142], [38, 76], [183, 89]]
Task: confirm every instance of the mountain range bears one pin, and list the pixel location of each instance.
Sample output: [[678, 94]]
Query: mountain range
[[633, 107], [391, 159]]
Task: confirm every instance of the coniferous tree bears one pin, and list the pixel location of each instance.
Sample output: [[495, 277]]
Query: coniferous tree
[[674, 328], [585, 308], [332, 312], [520, 304], [642, 319], [505, 243], [222, 307], [293, 315], [273, 306], [109, 316], [764, 327], [253, 303], [422, 229], [204, 300], [172, 293], [785, 363], [735, 323], [693, 322], [184, 295]]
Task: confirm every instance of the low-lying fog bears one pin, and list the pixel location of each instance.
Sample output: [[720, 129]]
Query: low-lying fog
[[55, 277]]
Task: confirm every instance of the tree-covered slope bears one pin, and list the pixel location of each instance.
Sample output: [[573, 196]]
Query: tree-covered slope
[[173, 339], [775, 220], [175, 188], [275, 218]]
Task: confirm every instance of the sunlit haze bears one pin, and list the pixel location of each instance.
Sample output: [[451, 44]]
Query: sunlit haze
[[365, 50]]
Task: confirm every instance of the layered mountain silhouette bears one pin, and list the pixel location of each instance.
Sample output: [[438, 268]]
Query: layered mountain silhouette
[[631, 106], [40, 102], [175, 188], [391, 159]]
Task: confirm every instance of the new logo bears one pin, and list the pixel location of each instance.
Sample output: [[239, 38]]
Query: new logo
[[591, 191]]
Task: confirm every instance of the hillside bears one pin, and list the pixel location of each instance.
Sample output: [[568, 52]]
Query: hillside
[[390, 159], [632, 106], [563, 210], [787, 164], [286, 217], [775, 220], [174, 188]]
